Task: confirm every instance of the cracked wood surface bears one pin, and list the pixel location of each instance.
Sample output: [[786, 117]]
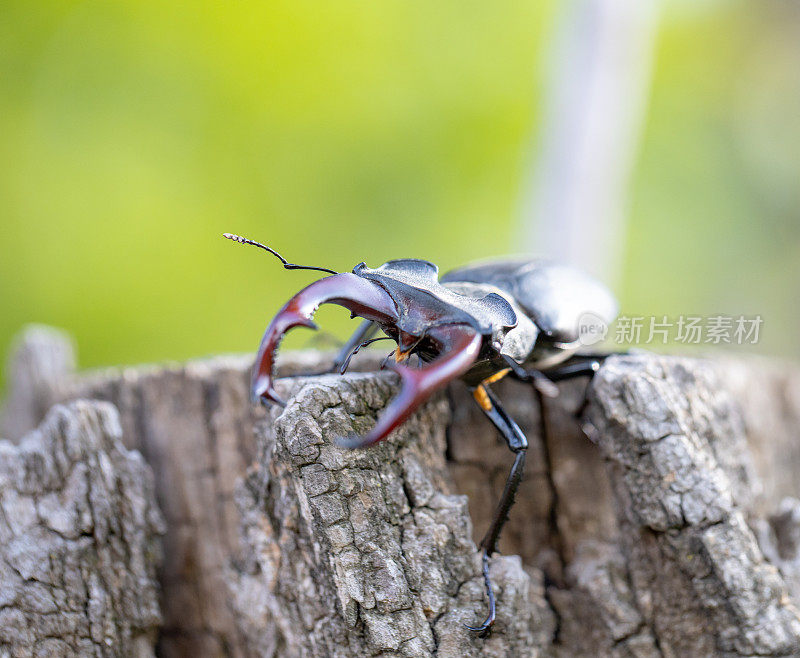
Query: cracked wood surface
[[368, 552], [194, 424], [674, 533], [79, 543]]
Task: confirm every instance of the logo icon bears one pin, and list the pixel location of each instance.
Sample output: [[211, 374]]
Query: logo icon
[[592, 329]]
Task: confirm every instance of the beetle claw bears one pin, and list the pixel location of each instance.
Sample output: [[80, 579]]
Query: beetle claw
[[268, 397], [261, 386], [486, 625], [460, 346], [348, 290]]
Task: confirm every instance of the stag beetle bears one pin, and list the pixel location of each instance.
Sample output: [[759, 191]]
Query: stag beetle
[[478, 323]]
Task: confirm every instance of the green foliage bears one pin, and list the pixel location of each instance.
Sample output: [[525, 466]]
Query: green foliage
[[715, 218], [135, 133]]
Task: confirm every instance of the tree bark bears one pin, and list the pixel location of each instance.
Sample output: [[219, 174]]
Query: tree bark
[[369, 552], [79, 544], [195, 426], [673, 531]]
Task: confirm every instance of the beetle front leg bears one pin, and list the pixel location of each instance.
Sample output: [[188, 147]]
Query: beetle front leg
[[366, 330], [581, 365], [542, 382], [518, 444]]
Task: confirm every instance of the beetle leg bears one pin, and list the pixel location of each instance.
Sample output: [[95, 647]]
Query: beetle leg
[[343, 367], [518, 444], [360, 296], [578, 366], [365, 331], [543, 383], [583, 365], [458, 346]]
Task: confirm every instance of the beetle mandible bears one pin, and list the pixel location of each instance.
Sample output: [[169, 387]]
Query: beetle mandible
[[479, 323]]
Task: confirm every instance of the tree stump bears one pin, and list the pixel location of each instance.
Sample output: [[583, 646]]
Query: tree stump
[[78, 540], [674, 529]]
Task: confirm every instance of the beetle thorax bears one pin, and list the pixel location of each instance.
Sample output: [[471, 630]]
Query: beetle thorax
[[423, 303]]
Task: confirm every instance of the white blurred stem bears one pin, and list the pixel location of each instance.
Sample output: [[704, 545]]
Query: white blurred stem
[[600, 68]]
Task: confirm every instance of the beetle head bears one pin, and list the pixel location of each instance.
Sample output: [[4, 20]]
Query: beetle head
[[400, 296]]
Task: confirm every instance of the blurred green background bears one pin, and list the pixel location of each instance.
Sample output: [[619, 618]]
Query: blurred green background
[[135, 133]]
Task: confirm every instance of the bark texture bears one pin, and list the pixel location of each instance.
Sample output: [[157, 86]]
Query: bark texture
[[683, 485], [194, 425], [368, 552], [674, 531], [79, 544]]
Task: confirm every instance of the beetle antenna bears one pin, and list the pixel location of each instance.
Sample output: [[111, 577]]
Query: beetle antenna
[[286, 263]]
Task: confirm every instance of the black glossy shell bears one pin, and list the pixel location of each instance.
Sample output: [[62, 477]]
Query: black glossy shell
[[554, 296], [405, 280]]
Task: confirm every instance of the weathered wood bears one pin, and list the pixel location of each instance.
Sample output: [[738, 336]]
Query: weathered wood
[[368, 552], [194, 424], [41, 358], [79, 545], [768, 394], [683, 484], [667, 567], [637, 544]]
